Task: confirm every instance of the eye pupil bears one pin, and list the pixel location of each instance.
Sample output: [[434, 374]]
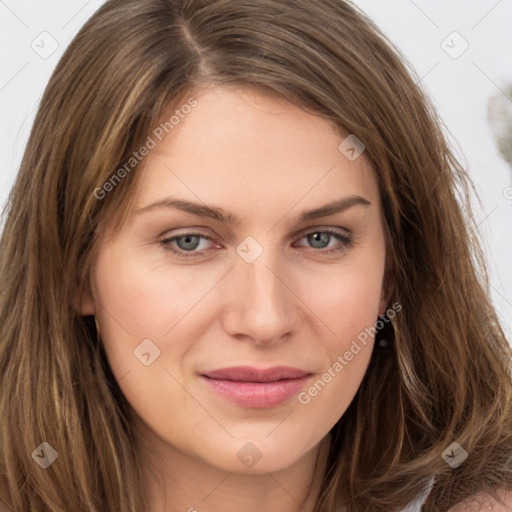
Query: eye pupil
[[189, 239], [322, 238]]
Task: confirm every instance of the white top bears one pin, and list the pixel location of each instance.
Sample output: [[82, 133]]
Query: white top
[[416, 505]]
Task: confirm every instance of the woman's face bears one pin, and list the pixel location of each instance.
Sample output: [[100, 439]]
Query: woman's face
[[194, 310]]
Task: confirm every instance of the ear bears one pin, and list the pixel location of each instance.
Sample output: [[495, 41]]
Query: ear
[[86, 305], [388, 286]]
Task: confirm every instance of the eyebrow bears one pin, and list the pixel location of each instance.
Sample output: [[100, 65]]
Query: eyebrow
[[202, 210]]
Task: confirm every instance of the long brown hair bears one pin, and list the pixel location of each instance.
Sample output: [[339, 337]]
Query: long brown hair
[[444, 377]]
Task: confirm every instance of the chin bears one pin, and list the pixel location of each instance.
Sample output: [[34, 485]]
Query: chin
[[255, 457]]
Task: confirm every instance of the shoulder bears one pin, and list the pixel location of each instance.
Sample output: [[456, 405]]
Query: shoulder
[[485, 503]]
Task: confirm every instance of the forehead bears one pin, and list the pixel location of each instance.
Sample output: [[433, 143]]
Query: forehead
[[249, 150]]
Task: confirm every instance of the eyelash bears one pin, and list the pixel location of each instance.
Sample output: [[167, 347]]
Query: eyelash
[[346, 243]]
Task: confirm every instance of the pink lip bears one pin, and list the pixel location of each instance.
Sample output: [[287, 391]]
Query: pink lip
[[255, 388]]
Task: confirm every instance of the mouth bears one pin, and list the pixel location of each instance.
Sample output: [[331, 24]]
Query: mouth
[[256, 388]]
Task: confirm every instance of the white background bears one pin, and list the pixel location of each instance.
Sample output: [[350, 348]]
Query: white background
[[460, 88]]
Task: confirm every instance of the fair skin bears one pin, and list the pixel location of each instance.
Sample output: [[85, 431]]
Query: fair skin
[[266, 162]]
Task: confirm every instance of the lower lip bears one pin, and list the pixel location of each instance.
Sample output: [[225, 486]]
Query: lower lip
[[257, 395]]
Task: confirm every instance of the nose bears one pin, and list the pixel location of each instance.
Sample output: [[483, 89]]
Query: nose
[[260, 304]]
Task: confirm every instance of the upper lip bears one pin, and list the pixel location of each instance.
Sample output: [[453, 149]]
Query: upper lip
[[251, 374]]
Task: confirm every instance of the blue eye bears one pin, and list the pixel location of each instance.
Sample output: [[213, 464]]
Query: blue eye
[[319, 238], [188, 243]]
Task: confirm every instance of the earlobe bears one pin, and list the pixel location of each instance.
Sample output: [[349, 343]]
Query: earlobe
[[86, 305]]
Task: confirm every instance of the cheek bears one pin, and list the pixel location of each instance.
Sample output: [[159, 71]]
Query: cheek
[[148, 315], [146, 300], [350, 309], [347, 300], [349, 306]]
